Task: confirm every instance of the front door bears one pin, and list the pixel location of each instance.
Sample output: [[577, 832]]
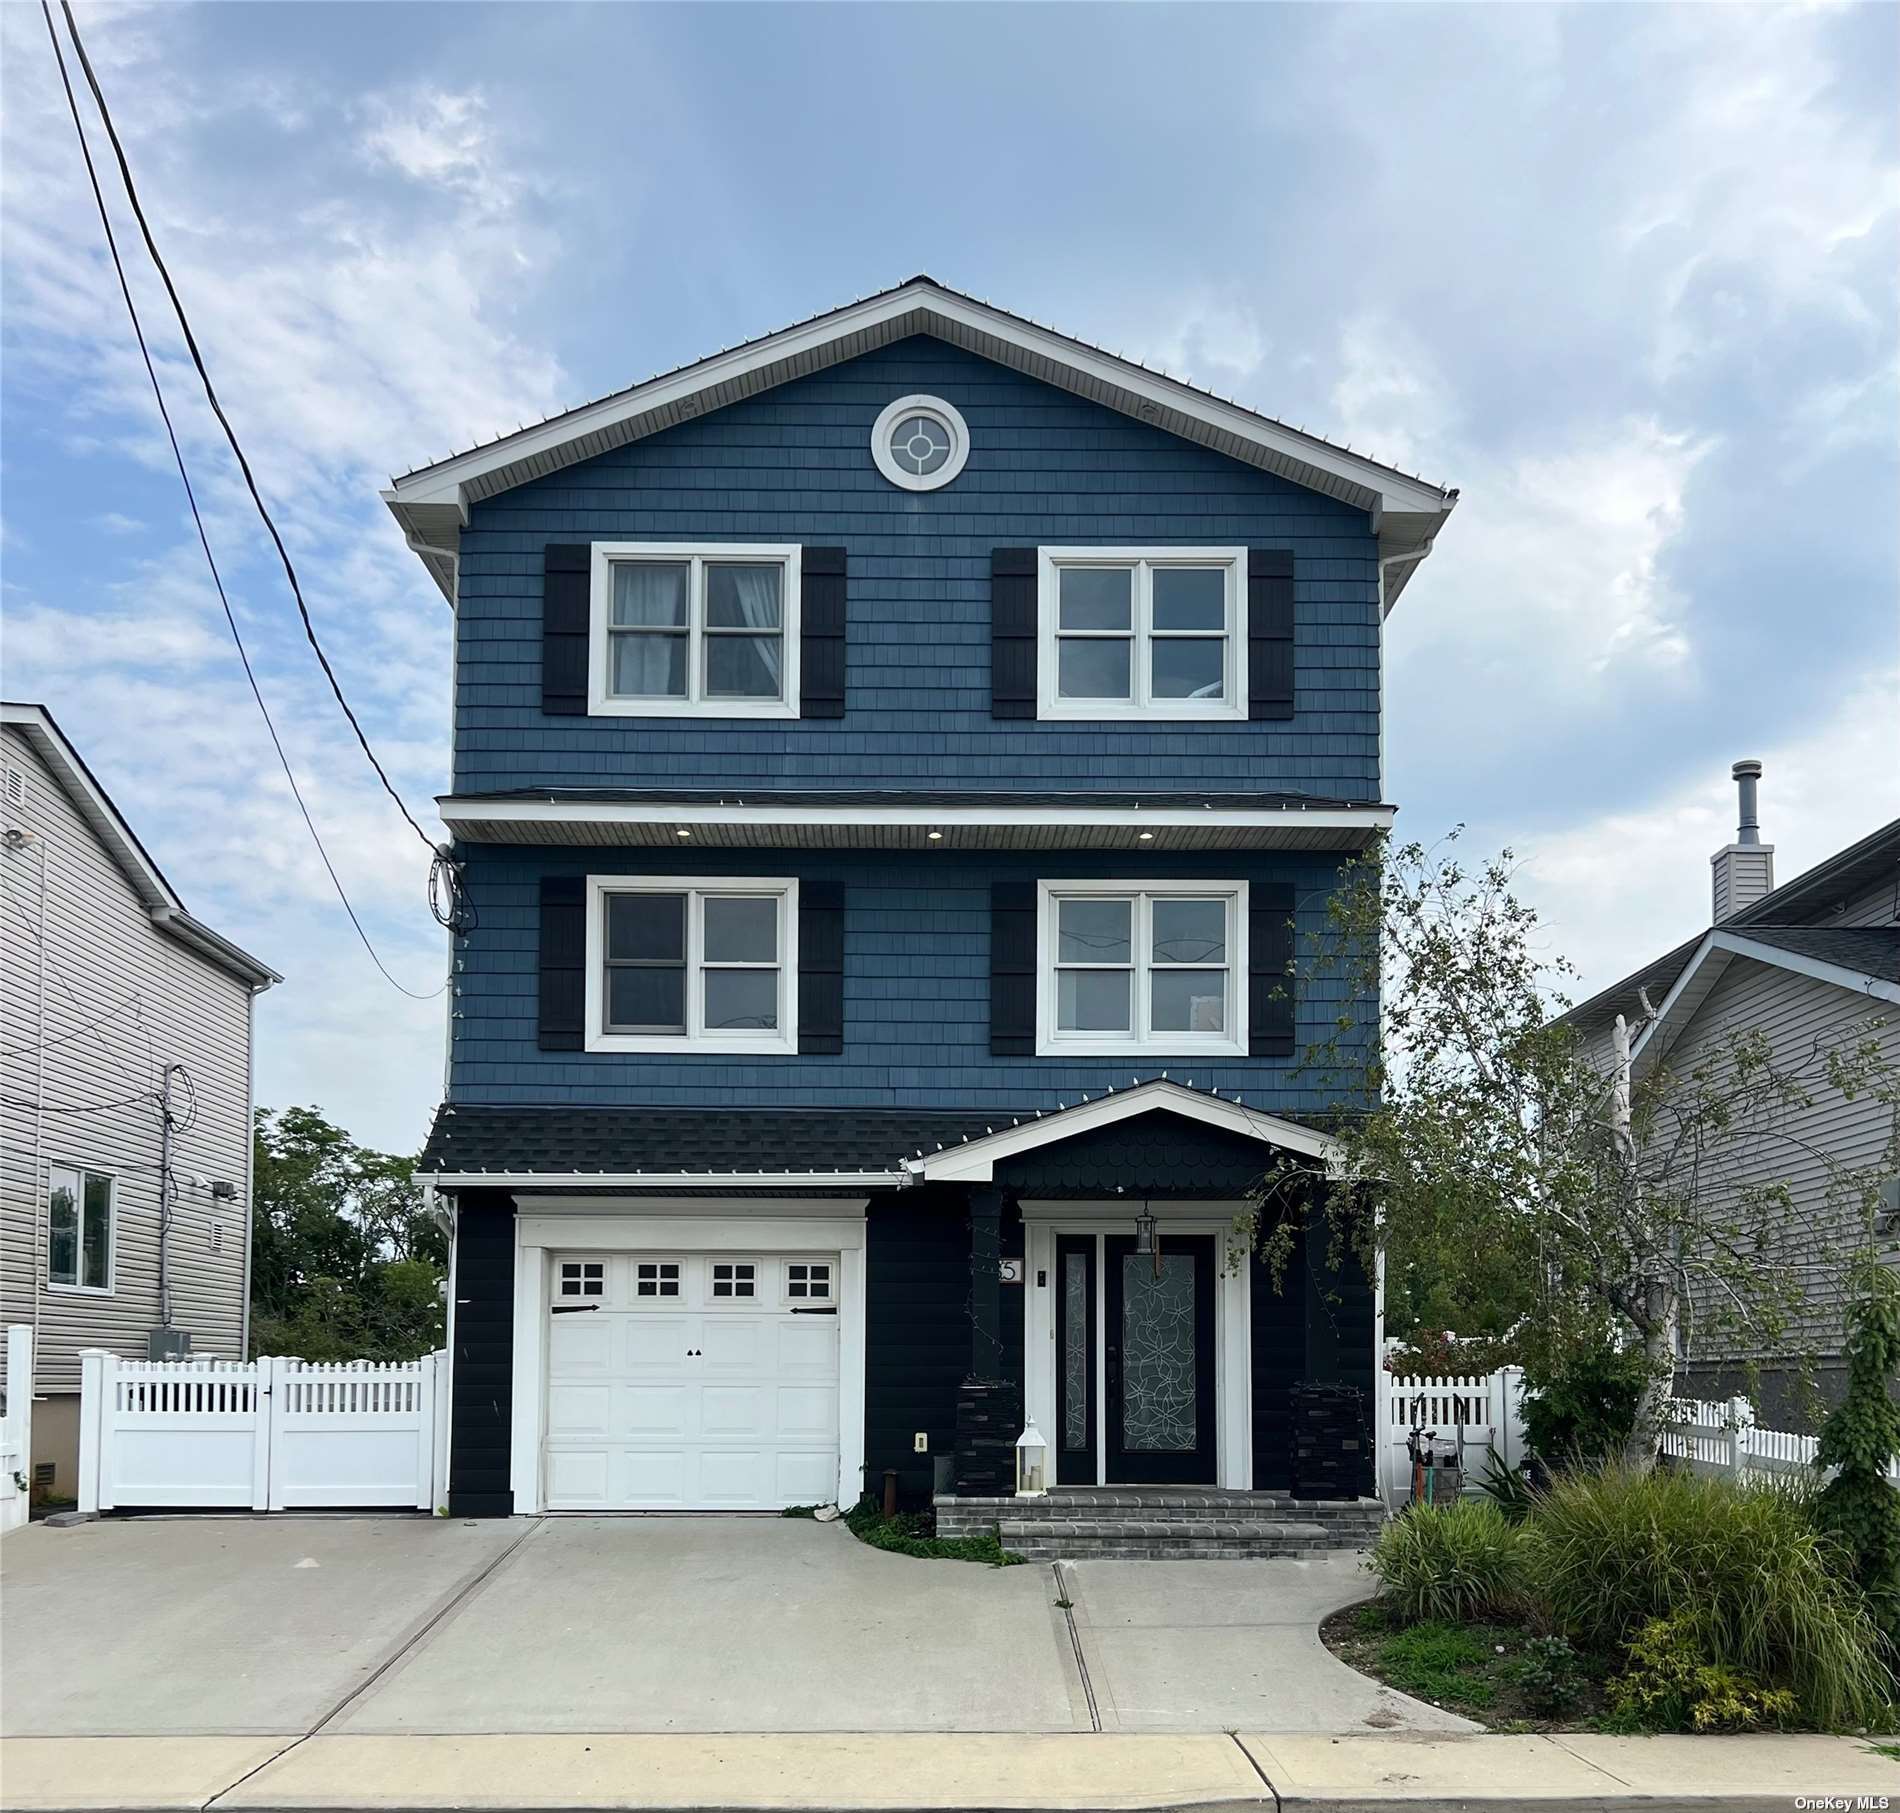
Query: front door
[[1158, 1354]]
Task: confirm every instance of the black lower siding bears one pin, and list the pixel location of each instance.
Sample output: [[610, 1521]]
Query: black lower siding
[[481, 1392]]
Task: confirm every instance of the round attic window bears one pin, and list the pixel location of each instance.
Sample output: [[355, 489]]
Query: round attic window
[[920, 443]]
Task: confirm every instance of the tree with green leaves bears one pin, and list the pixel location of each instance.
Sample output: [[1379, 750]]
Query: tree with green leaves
[[346, 1263], [1635, 1208], [1861, 1437]]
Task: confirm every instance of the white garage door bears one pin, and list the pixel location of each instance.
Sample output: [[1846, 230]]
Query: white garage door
[[692, 1382]]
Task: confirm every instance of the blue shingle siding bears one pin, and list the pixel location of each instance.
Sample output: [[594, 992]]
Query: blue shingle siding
[[916, 983], [1046, 468]]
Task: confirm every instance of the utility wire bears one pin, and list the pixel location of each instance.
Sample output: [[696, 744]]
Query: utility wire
[[211, 395], [151, 371]]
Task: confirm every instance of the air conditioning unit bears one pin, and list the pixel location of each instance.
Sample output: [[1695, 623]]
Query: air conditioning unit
[[168, 1344]]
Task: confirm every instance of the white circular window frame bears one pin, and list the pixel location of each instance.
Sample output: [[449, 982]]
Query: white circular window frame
[[946, 417]]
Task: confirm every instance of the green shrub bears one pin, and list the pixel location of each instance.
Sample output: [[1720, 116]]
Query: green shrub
[[1671, 1685], [914, 1533], [1743, 1570], [1579, 1412], [1551, 1674], [1861, 1433], [1449, 1562]]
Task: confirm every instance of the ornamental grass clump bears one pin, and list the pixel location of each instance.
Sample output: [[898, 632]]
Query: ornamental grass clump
[[1738, 1571], [1452, 1563]]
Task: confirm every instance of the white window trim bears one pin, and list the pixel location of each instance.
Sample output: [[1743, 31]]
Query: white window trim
[[602, 703], [1229, 708], [948, 417], [82, 1171], [784, 1039], [1052, 1044]]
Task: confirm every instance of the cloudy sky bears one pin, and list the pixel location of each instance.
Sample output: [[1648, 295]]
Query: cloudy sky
[[1626, 275]]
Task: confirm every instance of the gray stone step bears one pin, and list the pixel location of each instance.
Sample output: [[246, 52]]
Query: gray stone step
[[1140, 1539]]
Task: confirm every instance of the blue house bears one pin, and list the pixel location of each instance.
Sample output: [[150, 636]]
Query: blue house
[[893, 760]]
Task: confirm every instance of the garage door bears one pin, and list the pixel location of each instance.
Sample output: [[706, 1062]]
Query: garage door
[[691, 1381]]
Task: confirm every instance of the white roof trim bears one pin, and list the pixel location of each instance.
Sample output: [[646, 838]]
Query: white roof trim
[[666, 1180], [975, 1161], [968, 826], [432, 503], [1719, 949]]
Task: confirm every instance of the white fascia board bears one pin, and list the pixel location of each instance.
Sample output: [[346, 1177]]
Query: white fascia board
[[976, 1161], [666, 1180], [1720, 948], [617, 812]]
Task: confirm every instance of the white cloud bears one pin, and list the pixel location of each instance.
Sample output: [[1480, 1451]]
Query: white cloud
[[433, 136]]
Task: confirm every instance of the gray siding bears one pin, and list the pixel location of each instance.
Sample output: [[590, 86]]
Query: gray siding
[[122, 1000], [1807, 1147]]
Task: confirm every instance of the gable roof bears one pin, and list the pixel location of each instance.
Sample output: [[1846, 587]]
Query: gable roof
[[432, 502], [1868, 863], [93, 804]]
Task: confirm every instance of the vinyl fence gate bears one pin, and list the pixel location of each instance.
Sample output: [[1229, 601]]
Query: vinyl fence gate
[[273, 1434]]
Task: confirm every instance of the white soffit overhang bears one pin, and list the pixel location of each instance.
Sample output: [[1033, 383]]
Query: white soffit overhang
[[432, 503], [724, 826], [1707, 967], [975, 1160]]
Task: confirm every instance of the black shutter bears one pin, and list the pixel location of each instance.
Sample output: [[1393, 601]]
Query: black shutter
[[820, 968], [563, 960], [1013, 969], [821, 616], [565, 574], [1270, 970], [1269, 633], [1012, 632]]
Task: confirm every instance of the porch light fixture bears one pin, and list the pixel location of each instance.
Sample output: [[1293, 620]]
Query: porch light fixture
[[1145, 1231], [1146, 837], [682, 832], [936, 837], [1032, 1456]]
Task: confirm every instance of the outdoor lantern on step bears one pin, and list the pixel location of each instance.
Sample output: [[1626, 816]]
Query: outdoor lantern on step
[[1032, 1456]]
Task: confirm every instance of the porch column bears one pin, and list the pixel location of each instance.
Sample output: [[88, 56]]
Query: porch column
[[986, 1289]]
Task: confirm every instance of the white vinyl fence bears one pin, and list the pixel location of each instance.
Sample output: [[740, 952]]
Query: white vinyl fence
[[1722, 1438], [1469, 1415], [1466, 1416], [16, 1429], [275, 1434]]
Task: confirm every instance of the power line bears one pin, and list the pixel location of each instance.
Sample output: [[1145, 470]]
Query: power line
[[204, 541], [211, 395]]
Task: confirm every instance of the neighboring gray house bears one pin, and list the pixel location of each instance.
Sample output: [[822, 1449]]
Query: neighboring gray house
[[122, 1013], [1806, 964]]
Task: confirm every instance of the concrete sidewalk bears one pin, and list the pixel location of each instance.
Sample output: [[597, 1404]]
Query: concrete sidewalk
[[939, 1773]]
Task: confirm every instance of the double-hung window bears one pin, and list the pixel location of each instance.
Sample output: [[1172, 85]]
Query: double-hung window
[[691, 964], [1148, 967], [79, 1229], [1142, 633], [694, 630]]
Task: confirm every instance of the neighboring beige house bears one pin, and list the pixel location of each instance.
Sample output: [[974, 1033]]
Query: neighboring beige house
[[1806, 964], [125, 1062]]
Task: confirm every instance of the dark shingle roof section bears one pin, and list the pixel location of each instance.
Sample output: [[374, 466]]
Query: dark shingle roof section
[[1871, 950], [717, 1141]]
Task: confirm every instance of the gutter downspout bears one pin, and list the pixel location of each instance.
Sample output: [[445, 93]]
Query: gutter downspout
[[39, 1197], [250, 1166]]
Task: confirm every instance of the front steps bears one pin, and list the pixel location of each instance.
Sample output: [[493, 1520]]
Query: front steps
[[1163, 1523]]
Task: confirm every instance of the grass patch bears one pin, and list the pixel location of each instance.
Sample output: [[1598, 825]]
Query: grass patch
[[914, 1533], [799, 1511], [1888, 1750]]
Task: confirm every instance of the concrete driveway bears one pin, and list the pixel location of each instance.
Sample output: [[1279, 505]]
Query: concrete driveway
[[378, 1626]]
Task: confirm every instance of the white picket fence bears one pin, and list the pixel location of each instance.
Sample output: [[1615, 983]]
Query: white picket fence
[[1483, 1411], [16, 1429], [1469, 1416], [1723, 1438], [273, 1434]]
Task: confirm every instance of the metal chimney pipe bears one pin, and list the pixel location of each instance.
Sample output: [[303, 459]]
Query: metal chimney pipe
[[1747, 774]]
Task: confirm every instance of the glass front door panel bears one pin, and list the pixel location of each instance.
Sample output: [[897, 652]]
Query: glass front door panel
[[1159, 1385]]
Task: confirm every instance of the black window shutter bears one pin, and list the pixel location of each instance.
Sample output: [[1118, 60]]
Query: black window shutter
[[820, 968], [565, 574], [1012, 632], [1270, 970], [563, 959], [821, 614], [1013, 969], [1269, 633]]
